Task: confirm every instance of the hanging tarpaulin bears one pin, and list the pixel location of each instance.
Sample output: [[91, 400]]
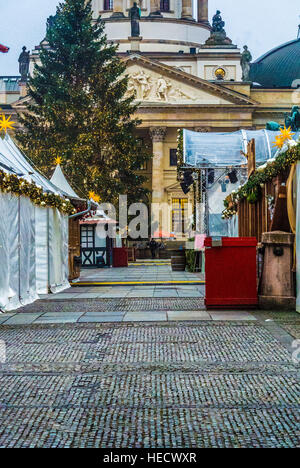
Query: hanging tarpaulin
[[58, 251], [227, 149], [9, 264], [41, 250], [27, 290]]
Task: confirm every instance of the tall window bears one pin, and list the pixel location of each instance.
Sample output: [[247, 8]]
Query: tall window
[[143, 166], [173, 157], [108, 5], [179, 214], [165, 5]]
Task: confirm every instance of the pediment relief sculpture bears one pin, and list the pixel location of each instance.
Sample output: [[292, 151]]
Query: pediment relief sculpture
[[149, 88]]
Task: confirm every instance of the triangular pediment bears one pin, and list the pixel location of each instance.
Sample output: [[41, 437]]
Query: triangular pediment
[[154, 82]]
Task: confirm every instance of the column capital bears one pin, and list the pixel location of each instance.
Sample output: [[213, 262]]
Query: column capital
[[202, 129], [157, 133]]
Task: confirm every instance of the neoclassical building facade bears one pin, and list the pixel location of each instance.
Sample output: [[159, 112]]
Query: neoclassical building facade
[[182, 79]]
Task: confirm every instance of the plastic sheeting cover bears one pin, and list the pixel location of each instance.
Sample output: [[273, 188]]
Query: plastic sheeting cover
[[17, 252], [224, 149], [41, 250], [58, 251], [9, 265]]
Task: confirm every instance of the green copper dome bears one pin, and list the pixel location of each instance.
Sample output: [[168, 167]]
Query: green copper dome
[[278, 68]]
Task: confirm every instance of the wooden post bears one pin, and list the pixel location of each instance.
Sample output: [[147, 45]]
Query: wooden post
[[251, 157]]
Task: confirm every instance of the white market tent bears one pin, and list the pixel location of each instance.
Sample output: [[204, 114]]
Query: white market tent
[[59, 180], [33, 239]]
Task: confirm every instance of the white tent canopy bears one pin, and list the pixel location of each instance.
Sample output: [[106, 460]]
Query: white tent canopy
[[60, 181], [33, 240]]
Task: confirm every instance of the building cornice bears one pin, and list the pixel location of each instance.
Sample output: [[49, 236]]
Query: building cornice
[[160, 20]]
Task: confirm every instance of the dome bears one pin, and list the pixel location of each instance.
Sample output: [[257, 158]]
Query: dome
[[279, 67]]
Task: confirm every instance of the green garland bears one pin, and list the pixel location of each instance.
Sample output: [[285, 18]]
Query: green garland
[[11, 183], [179, 153], [252, 189]]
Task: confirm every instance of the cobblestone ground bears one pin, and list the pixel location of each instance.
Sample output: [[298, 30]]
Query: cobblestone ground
[[180, 385]]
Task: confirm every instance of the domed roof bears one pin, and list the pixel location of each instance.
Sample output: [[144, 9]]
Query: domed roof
[[279, 67]]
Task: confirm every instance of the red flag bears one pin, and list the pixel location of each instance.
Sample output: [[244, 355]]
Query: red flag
[[4, 49]]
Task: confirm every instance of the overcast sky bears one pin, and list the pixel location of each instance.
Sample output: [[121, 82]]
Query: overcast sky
[[262, 24]]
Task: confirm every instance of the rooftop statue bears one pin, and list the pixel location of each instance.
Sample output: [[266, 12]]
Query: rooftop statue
[[218, 33], [245, 63], [217, 23], [24, 60], [135, 16], [293, 120], [51, 22]]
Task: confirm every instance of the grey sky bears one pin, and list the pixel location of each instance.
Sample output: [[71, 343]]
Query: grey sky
[[262, 24]]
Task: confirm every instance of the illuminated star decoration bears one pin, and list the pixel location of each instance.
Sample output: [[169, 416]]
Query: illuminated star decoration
[[58, 160], [285, 134], [94, 197], [6, 123]]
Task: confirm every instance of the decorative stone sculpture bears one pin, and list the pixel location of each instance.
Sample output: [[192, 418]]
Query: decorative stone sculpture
[[273, 126], [245, 63], [24, 60], [135, 16], [293, 120], [217, 23], [149, 88], [162, 87], [218, 33]]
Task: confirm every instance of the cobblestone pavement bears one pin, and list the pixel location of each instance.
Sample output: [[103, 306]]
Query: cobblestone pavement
[[184, 384]]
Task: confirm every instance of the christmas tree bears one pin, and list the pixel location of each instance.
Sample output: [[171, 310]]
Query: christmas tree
[[79, 111]]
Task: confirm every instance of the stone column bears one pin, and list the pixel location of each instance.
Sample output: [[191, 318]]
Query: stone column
[[203, 11], [118, 9], [157, 135], [155, 8], [23, 88], [187, 10]]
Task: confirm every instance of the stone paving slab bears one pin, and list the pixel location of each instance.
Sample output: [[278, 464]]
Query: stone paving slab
[[6, 316], [22, 319], [231, 315], [104, 319], [152, 316], [188, 315]]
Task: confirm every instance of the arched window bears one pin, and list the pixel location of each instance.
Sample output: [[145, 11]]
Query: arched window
[[108, 5], [165, 5]]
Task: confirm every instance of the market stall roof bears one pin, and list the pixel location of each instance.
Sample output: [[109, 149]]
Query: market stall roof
[[58, 178], [14, 162], [99, 218], [219, 150]]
